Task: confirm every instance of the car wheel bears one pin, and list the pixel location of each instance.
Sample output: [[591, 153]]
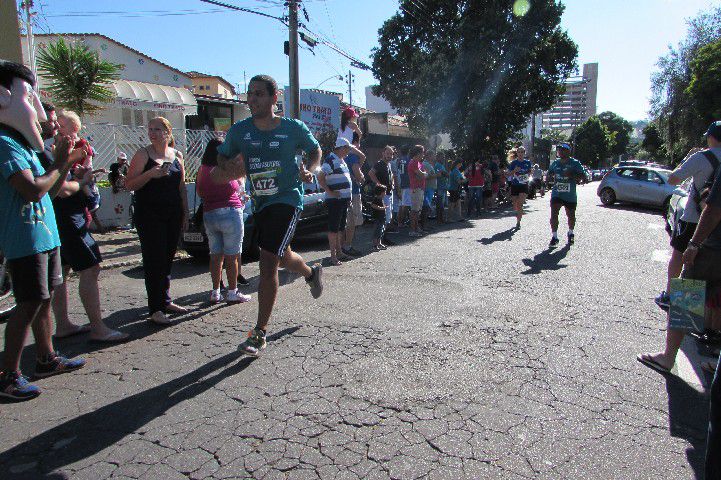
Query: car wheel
[[608, 196]]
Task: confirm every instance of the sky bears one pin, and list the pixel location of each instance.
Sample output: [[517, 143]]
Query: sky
[[625, 37]]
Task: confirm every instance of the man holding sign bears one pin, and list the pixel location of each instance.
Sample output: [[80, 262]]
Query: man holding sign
[[264, 148], [565, 172]]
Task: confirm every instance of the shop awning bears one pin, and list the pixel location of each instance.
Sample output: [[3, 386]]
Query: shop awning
[[150, 96]]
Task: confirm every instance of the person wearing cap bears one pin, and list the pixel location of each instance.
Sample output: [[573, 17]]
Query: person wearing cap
[[118, 171], [566, 172], [334, 178], [348, 125], [701, 165]]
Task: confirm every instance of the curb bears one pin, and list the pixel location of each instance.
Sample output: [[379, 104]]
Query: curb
[[137, 261]]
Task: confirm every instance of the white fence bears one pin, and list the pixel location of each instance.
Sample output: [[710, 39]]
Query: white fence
[[109, 140]]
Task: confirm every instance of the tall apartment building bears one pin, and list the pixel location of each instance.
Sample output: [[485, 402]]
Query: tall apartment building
[[577, 103]]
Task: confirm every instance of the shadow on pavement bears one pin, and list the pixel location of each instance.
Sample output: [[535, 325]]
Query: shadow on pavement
[[503, 236], [546, 260], [94, 431], [688, 419]]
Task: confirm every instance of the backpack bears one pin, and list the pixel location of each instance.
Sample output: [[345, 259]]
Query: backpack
[[700, 196]]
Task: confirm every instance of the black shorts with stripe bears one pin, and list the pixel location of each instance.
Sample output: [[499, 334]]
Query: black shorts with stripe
[[275, 225]]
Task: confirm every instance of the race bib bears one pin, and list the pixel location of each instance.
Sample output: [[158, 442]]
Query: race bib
[[563, 187], [522, 178], [264, 183]]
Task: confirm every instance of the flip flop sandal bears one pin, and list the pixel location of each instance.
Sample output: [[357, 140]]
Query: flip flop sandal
[[114, 337], [653, 364], [80, 330], [336, 263]]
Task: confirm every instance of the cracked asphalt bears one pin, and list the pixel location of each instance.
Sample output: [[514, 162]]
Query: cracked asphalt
[[474, 353]]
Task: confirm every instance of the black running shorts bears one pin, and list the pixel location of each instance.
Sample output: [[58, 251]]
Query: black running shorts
[[275, 225]]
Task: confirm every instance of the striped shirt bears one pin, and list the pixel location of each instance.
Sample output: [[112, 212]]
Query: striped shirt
[[337, 175]]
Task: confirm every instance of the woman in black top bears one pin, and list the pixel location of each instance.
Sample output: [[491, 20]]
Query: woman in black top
[[157, 176]]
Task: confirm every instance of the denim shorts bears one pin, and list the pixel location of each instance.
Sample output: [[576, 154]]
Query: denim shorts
[[225, 228]]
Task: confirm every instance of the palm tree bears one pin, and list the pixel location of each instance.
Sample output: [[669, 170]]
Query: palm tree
[[77, 78]]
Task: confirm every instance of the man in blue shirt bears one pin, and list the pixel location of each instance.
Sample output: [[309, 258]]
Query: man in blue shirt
[[28, 233], [565, 172], [263, 148], [520, 171]]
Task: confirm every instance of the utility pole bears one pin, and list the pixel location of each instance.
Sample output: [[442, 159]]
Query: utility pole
[[294, 100], [10, 45], [350, 78], [27, 5]]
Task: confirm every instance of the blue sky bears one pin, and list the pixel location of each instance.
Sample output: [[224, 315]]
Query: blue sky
[[625, 37]]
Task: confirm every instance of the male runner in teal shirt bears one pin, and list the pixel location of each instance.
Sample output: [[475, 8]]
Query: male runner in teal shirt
[[263, 148], [566, 172]]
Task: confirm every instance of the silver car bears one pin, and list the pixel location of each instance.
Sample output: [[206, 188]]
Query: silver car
[[636, 184]]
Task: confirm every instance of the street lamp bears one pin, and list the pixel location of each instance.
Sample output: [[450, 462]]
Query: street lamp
[[338, 77]]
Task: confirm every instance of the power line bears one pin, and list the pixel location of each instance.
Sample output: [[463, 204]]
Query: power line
[[242, 9]]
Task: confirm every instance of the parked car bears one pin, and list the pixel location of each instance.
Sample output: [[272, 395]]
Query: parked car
[[677, 205], [596, 175], [634, 184], [313, 219]]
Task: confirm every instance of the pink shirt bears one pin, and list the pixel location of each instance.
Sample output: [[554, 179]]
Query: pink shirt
[[216, 195], [415, 181]]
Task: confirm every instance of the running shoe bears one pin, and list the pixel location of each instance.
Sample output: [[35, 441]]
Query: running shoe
[[16, 387], [571, 238], [316, 281], [216, 297], [234, 296], [254, 343], [57, 365], [554, 242], [663, 301]]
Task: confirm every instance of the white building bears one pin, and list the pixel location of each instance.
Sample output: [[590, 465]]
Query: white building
[[578, 102], [378, 104], [147, 87]]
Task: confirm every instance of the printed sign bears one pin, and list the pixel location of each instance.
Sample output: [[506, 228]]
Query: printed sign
[[688, 299], [320, 111]]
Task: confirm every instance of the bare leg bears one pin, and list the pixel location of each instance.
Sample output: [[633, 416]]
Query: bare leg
[[667, 358], [349, 233], [16, 331], [555, 209], [231, 271], [333, 245], [43, 330], [216, 269], [90, 298], [267, 287], [571, 214], [63, 325], [293, 262], [675, 265]]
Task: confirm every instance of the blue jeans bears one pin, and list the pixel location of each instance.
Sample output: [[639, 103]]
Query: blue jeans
[[225, 229], [475, 197], [428, 197]]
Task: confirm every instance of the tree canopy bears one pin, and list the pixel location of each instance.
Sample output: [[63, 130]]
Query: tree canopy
[[621, 127], [475, 69], [77, 77], [594, 142], [705, 86]]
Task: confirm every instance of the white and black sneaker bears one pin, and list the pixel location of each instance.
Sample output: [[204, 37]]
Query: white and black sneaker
[[315, 281], [571, 238], [554, 242]]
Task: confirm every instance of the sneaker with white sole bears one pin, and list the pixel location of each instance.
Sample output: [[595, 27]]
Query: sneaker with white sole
[[254, 344], [216, 297], [56, 365], [15, 386], [234, 296], [316, 281]]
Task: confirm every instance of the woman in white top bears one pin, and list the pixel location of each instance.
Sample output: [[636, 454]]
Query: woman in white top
[[348, 125]]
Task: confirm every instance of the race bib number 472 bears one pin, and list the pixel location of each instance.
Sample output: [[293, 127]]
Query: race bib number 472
[[264, 183]]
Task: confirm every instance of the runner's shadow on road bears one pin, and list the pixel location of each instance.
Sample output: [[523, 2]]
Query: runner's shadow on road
[[88, 434], [503, 236], [688, 419], [546, 260]]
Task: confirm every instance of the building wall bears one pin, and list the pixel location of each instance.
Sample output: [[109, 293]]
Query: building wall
[[211, 86], [378, 104]]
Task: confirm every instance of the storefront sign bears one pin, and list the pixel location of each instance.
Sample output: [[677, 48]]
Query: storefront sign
[[320, 111]]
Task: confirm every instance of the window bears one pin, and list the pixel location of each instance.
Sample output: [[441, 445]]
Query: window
[[628, 173], [138, 118], [126, 116]]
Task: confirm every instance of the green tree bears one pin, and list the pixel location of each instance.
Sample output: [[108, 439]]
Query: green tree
[[594, 142], [554, 135], [672, 107], [705, 84], [652, 142], [622, 128], [473, 69], [77, 78]]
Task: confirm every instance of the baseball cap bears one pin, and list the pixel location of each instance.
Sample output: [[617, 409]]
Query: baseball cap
[[352, 111], [565, 146], [341, 142], [122, 156], [714, 130]]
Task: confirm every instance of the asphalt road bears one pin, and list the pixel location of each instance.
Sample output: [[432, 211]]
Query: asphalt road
[[474, 352]]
